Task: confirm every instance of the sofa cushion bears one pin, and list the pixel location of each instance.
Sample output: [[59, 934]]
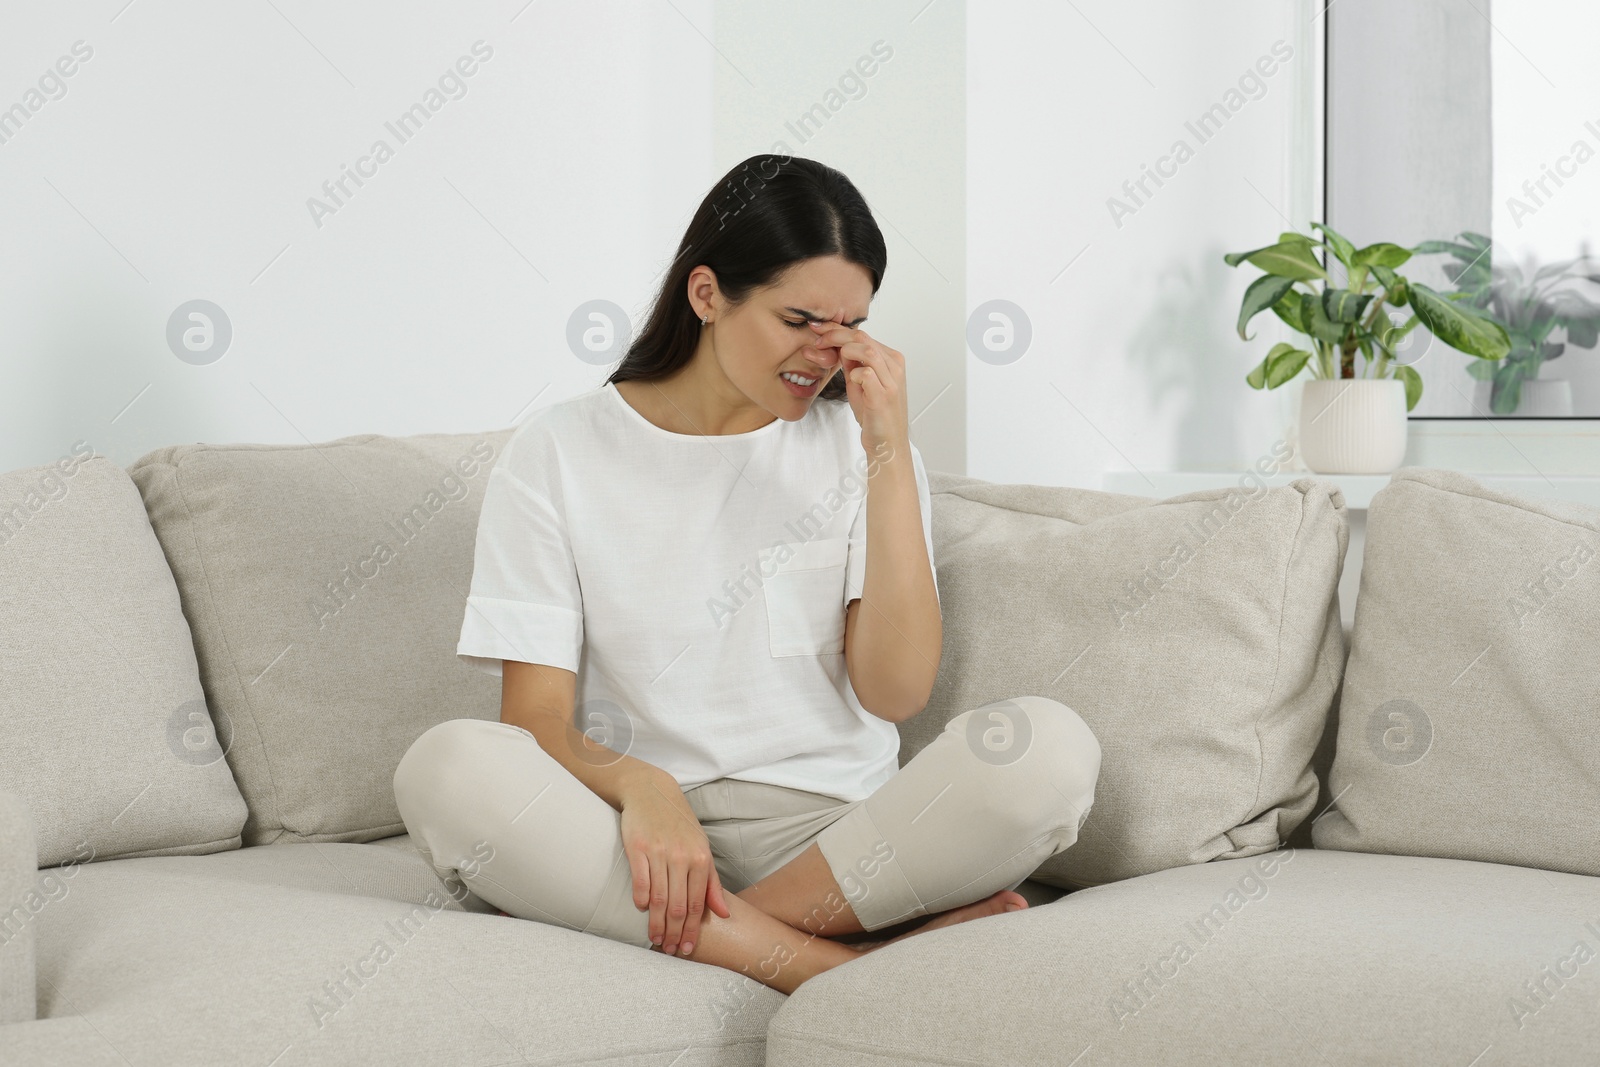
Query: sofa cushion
[[1469, 726], [104, 731], [1304, 957], [19, 868], [1199, 637], [325, 586], [279, 954]]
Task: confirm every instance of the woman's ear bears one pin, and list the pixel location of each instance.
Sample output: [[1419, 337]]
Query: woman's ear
[[702, 286]]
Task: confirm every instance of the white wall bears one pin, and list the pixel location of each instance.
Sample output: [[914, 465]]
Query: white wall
[[179, 162], [1134, 362], [898, 133]]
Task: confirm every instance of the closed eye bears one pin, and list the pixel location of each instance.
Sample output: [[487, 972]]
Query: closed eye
[[802, 323]]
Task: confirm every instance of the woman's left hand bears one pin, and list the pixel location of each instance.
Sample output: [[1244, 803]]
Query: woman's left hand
[[875, 383]]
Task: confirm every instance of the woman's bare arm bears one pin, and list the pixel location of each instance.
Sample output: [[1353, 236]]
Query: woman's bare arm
[[893, 631], [540, 698]]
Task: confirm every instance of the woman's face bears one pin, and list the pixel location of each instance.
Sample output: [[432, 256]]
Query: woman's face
[[769, 335]]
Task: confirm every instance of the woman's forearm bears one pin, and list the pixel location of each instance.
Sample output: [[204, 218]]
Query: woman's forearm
[[892, 654], [539, 698]]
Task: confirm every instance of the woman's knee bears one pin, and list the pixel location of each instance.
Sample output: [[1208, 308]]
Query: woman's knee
[[443, 753], [466, 769], [1073, 748], [1048, 742]]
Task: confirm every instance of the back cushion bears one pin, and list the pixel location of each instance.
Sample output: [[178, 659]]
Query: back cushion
[[325, 585], [1469, 726], [104, 731], [1199, 638]]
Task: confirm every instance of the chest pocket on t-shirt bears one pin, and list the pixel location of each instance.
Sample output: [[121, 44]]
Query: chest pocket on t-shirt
[[805, 599]]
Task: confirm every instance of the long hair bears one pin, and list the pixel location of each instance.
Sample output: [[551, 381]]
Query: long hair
[[762, 217]]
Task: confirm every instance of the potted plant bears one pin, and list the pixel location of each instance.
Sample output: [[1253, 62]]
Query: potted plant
[[1353, 422], [1531, 305]]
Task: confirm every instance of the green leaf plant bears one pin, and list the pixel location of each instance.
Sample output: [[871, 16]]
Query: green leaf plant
[[1340, 321], [1531, 304]]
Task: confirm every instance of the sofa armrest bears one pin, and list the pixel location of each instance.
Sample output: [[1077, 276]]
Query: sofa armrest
[[19, 866]]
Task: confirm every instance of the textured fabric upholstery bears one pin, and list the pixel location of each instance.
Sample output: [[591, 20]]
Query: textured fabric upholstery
[[1469, 725], [104, 730], [1305, 957], [325, 585], [1199, 637]]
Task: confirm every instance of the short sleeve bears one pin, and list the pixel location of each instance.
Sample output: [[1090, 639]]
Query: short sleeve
[[856, 561], [524, 602]]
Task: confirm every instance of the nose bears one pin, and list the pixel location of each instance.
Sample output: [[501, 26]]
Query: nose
[[824, 359]]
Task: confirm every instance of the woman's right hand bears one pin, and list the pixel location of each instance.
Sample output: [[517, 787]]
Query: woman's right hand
[[673, 871]]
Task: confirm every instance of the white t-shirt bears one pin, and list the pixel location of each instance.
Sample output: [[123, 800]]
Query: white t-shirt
[[696, 585]]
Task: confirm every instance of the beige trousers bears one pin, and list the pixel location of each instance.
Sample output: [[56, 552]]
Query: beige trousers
[[1002, 789]]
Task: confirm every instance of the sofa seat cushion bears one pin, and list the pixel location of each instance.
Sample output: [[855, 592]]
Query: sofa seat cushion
[[299, 953], [1332, 957], [389, 868]]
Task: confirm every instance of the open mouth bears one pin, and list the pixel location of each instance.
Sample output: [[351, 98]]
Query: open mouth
[[801, 384]]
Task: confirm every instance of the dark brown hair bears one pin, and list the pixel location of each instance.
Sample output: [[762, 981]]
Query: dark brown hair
[[764, 216]]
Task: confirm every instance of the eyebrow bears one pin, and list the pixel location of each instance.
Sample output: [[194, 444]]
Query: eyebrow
[[816, 317]]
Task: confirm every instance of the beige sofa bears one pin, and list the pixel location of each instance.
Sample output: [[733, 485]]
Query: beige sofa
[[213, 660]]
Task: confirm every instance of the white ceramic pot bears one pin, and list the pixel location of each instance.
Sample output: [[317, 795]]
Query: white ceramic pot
[[1541, 398], [1353, 425]]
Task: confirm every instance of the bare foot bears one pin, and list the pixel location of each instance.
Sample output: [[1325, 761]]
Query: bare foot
[[1003, 901]]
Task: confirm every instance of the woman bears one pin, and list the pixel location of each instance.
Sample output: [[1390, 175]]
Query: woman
[[719, 565]]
